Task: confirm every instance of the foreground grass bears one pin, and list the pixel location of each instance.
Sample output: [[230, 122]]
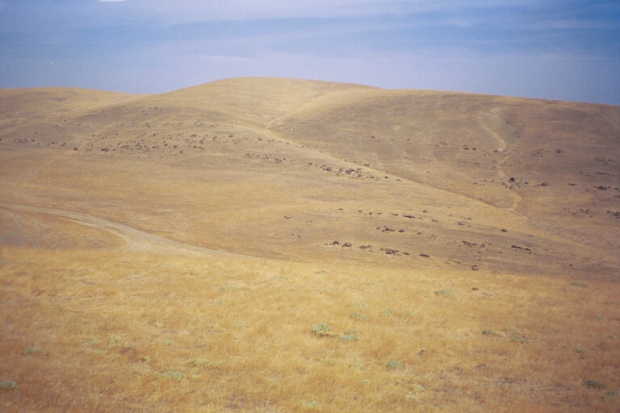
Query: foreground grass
[[108, 331]]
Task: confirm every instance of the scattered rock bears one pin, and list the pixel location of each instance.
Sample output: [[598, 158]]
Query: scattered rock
[[593, 384], [517, 247], [615, 214]]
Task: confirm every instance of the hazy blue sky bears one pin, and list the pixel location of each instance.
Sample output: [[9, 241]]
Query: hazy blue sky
[[559, 49]]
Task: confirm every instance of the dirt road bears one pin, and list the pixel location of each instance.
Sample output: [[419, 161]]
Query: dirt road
[[135, 239]]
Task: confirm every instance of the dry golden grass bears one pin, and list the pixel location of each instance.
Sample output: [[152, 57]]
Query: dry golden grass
[[176, 252], [97, 331]]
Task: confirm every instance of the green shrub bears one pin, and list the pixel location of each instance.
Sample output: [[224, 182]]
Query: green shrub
[[321, 330]]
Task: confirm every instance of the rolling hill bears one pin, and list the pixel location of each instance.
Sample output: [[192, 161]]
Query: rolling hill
[[276, 239]]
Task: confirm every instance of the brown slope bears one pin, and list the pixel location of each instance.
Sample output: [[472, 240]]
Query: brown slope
[[256, 100], [265, 149], [164, 326], [57, 101], [40, 116], [550, 161], [223, 108]]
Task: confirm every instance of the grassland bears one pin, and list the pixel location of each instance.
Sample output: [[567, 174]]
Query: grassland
[[276, 245]]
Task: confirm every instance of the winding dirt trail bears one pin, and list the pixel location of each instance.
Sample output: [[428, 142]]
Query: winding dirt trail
[[135, 239]]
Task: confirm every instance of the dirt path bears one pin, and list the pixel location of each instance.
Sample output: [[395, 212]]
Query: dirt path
[[501, 143], [135, 239]]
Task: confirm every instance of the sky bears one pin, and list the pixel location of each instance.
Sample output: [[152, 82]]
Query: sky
[[552, 49]]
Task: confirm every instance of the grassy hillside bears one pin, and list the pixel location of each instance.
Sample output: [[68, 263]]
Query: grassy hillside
[[276, 245]]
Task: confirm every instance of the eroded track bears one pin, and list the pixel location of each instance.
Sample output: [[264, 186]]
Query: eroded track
[[135, 239]]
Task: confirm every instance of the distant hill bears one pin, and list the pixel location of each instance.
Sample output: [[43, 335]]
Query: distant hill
[[555, 165]]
